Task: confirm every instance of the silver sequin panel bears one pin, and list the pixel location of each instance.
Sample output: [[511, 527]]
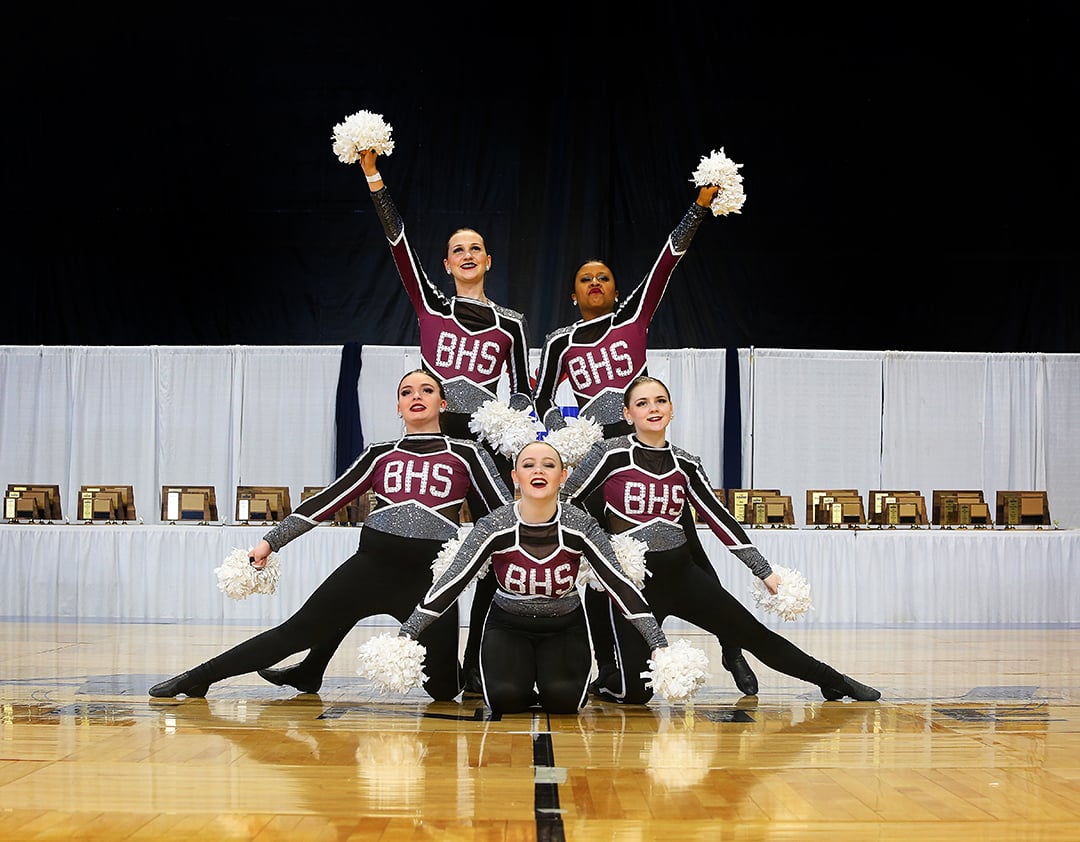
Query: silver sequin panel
[[688, 225], [464, 396], [406, 521], [660, 535], [412, 521], [649, 630], [537, 606], [605, 408]]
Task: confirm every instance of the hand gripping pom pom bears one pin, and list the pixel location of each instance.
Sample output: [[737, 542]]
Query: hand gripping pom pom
[[575, 439], [238, 579], [586, 577], [678, 671], [719, 170], [792, 598], [505, 429], [394, 664], [360, 131]]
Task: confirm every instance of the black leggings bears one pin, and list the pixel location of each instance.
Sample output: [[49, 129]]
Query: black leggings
[[678, 587], [551, 653], [388, 574], [600, 609], [456, 424]]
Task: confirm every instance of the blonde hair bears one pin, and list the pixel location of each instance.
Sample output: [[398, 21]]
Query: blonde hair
[[517, 457]]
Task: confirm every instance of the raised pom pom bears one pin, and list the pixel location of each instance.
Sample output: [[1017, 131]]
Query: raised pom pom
[[238, 579], [678, 671], [719, 170], [575, 439], [505, 429], [360, 131], [792, 598], [394, 664]]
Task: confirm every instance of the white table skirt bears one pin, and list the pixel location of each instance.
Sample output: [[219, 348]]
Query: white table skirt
[[858, 578]]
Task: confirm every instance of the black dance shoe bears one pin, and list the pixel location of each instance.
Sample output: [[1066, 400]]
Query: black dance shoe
[[856, 690], [180, 684], [473, 685], [744, 677], [290, 677]]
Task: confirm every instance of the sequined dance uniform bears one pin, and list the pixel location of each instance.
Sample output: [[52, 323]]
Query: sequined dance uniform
[[644, 491], [468, 343], [536, 632], [601, 356], [420, 482]]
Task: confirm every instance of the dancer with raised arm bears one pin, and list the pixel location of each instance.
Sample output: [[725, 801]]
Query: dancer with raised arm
[[599, 356], [466, 339]]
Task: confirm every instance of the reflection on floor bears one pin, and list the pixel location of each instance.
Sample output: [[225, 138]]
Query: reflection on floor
[[975, 737]]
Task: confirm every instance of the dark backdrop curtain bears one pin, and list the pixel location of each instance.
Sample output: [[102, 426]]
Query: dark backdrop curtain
[[170, 180], [350, 433]]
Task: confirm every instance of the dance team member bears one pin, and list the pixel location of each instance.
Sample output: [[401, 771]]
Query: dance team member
[[467, 340], [536, 640], [645, 483], [420, 482], [599, 356]]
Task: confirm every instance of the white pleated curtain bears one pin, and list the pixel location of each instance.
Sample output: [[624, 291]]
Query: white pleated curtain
[[151, 416], [914, 421], [247, 415]]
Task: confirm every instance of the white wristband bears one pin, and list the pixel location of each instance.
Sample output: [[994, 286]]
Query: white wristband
[[371, 179]]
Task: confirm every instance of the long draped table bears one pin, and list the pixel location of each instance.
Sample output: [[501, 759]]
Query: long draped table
[[864, 577]]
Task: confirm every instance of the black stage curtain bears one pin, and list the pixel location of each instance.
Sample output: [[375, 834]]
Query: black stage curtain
[[910, 181]]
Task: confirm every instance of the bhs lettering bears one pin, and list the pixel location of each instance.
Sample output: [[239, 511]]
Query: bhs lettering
[[654, 500], [460, 353], [418, 478], [605, 364], [539, 581]]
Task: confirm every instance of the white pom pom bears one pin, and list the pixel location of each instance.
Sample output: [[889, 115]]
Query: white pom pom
[[575, 439], [360, 131], [447, 554], [238, 579], [631, 554], [394, 664], [678, 671], [719, 170], [792, 598], [505, 429], [679, 759]]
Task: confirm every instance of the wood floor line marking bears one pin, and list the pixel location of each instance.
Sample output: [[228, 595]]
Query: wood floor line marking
[[338, 711], [546, 779]]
